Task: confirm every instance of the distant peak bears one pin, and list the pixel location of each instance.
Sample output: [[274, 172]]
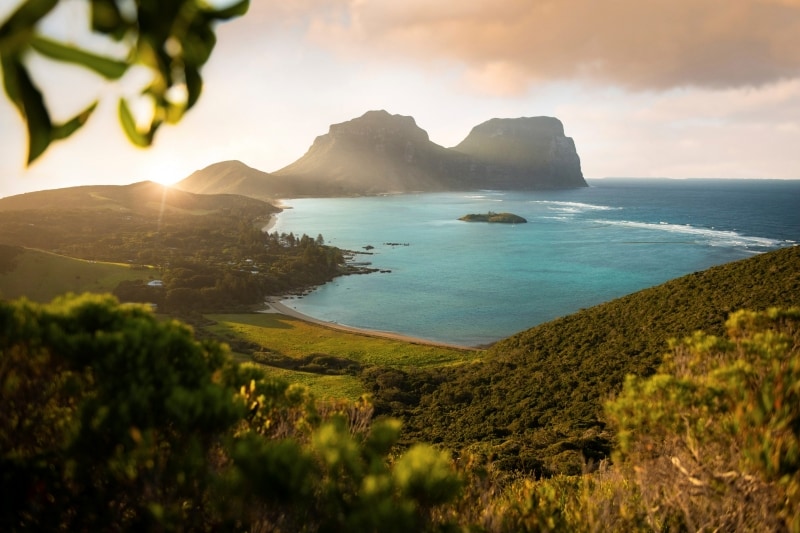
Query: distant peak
[[380, 121], [376, 113], [521, 126]]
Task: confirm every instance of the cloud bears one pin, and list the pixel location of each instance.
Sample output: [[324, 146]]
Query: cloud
[[507, 45]]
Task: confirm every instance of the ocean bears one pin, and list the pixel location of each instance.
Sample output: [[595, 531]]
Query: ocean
[[475, 283]]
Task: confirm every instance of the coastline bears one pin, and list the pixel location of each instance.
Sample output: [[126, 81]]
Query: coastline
[[274, 305]]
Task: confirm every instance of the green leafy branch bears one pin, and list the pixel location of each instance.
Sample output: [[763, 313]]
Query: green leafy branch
[[173, 39]]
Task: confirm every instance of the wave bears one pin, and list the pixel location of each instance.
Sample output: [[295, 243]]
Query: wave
[[573, 207], [709, 236], [483, 197]]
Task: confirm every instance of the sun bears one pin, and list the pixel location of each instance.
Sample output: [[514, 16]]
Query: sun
[[166, 172]]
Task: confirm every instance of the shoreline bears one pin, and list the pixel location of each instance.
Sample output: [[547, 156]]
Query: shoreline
[[274, 305]]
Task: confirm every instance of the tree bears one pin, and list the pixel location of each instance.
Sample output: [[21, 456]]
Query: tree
[[173, 39]]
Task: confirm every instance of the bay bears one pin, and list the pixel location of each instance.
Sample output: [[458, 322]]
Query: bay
[[475, 283]]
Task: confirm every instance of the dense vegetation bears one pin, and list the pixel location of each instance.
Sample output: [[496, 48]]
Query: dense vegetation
[[500, 218], [210, 252], [115, 420], [534, 401]]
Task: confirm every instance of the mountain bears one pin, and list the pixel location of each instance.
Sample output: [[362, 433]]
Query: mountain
[[375, 153], [521, 153], [380, 153], [231, 177]]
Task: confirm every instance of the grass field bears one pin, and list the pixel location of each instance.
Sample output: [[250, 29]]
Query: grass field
[[41, 276], [295, 338]]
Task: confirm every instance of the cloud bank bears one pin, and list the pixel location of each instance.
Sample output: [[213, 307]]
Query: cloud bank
[[507, 45]]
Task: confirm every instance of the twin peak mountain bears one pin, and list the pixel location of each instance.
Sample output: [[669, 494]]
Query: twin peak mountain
[[380, 153]]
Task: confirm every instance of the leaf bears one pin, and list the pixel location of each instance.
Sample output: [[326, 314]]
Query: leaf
[[62, 131], [194, 85], [30, 104], [112, 69], [198, 43], [236, 10], [129, 125], [16, 30], [107, 19]]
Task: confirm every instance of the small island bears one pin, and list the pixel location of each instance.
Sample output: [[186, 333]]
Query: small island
[[501, 218]]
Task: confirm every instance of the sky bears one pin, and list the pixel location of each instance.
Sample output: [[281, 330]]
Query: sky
[[656, 88]]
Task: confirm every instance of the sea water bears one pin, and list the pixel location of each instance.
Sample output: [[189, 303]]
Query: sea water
[[473, 283]]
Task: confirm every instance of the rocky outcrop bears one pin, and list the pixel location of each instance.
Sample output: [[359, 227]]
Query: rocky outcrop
[[522, 153], [494, 218]]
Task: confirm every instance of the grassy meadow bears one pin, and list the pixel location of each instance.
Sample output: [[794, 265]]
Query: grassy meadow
[[294, 338], [41, 276]]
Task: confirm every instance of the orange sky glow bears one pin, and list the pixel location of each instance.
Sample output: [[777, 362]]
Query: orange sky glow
[[673, 88]]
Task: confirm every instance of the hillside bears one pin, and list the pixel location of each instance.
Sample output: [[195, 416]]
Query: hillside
[[142, 197], [103, 222], [41, 276], [534, 402], [381, 153], [232, 177]]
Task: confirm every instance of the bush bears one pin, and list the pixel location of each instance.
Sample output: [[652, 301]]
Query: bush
[[713, 439], [114, 420]]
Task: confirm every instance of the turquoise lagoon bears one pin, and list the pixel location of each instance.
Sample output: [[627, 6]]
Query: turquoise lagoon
[[474, 283]]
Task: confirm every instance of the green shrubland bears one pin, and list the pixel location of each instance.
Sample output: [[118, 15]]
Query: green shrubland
[[115, 420]]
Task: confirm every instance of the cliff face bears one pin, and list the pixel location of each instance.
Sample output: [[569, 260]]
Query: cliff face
[[375, 153], [383, 153], [379, 152], [522, 153]]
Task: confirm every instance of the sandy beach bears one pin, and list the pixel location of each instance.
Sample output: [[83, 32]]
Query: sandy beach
[[275, 306]]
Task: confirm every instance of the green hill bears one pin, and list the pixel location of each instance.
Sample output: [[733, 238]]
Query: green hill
[[41, 276], [534, 401]]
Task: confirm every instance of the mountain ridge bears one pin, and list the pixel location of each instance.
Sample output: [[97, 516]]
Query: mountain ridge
[[381, 153]]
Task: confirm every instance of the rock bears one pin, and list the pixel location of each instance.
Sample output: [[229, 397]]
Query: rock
[[494, 218]]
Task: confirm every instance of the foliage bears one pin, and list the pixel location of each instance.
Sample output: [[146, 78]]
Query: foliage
[[713, 439], [108, 414], [708, 443], [172, 39], [114, 420]]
